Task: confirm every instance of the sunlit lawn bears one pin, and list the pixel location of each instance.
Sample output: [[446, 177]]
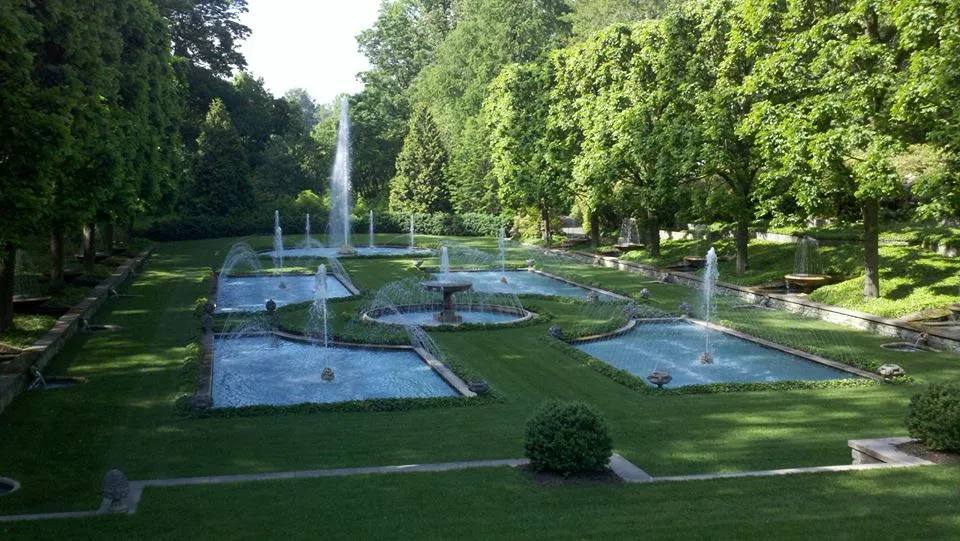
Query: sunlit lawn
[[59, 444]]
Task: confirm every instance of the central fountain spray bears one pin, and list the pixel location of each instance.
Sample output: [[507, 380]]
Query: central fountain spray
[[708, 291], [339, 229], [370, 242], [318, 314], [447, 288], [502, 245]]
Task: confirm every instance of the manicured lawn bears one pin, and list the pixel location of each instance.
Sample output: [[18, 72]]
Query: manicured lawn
[[59, 443]]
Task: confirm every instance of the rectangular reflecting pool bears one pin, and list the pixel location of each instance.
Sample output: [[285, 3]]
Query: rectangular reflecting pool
[[521, 282], [269, 370], [676, 346], [250, 293]]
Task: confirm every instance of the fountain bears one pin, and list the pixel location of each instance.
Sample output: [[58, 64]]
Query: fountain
[[447, 288], [412, 244], [309, 243], [317, 322], [27, 296], [629, 239], [708, 291], [502, 246], [371, 243], [339, 229], [278, 249], [807, 270]]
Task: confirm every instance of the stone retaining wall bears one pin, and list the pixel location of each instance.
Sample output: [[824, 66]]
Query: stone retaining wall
[[16, 376]]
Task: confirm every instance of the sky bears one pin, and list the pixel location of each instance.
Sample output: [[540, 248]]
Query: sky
[[309, 44]]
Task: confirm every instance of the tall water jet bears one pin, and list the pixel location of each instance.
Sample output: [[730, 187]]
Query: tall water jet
[[370, 243], [412, 245], [708, 291], [629, 238], [444, 263], [339, 229], [317, 322], [502, 245], [278, 249]]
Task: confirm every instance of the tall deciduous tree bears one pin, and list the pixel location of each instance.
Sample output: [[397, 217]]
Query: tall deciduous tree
[[831, 85], [420, 184], [523, 151], [206, 32], [221, 184], [32, 136]]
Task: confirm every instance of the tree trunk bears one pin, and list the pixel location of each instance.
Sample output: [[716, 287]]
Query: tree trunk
[[108, 233], [56, 257], [741, 239], [89, 249], [128, 234], [545, 216], [653, 235], [595, 229], [871, 250], [8, 262]]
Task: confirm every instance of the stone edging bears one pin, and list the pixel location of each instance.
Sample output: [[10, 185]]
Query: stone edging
[[627, 471], [203, 396], [791, 303], [884, 451], [47, 346]]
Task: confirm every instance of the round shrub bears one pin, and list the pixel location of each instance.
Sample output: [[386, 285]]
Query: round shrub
[[934, 417], [568, 437]]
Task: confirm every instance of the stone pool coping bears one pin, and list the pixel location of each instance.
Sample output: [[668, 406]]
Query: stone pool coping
[[16, 376], [203, 396], [743, 336], [782, 301]]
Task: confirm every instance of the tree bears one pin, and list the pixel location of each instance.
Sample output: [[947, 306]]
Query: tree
[[489, 35], [522, 151], [302, 101], [206, 32], [31, 142], [830, 87], [221, 186], [589, 16], [420, 185], [402, 41]]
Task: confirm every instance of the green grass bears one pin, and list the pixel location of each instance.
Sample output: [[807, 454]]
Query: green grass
[[59, 443], [501, 503]]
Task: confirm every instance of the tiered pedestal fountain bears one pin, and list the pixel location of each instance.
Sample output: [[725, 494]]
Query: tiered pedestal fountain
[[448, 314]]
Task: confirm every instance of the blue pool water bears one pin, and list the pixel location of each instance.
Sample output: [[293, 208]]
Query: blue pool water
[[521, 282], [268, 370], [426, 319], [676, 346], [362, 251], [250, 293]]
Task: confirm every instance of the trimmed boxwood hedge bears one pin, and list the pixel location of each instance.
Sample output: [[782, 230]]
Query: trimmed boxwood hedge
[[934, 417]]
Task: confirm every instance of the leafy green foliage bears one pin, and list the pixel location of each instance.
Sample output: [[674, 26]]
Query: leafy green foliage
[[420, 185], [934, 417], [589, 16], [567, 437], [221, 185]]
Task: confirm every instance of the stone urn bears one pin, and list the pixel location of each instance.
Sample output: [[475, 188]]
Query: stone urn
[[644, 293], [478, 386], [327, 374], [890, 371], [556, 331]]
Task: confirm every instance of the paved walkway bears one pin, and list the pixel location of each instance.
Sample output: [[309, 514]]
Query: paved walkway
[[625, 469]]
